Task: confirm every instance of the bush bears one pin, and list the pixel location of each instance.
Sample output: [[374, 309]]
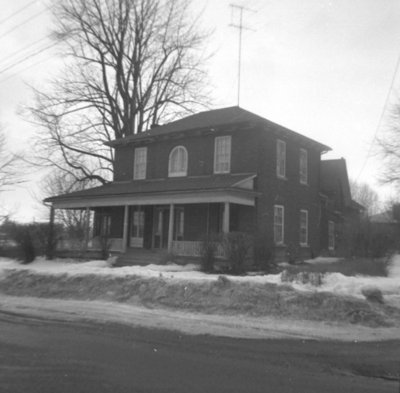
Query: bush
[[372, 294], [208, 249], [237, 246], [31, 239], [105, 245], [22, 236], [264, 253]]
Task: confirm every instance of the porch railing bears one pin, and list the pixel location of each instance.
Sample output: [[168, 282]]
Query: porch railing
[[93, 244], [189, 248]]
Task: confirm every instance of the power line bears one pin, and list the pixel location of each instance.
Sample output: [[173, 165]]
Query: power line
[[24, 69], [240, 27], [22, 23], [18, 11], [28, 57], [23, 49], [381, 117]]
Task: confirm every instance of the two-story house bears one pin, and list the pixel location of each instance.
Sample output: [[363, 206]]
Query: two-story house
[[213, 172]]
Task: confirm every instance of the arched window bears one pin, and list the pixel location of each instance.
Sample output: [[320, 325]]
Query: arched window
[[178, 161]]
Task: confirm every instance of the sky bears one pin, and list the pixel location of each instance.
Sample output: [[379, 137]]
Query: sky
[[321, 68]]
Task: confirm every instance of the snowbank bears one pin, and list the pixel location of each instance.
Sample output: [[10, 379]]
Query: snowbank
[[322, 260], [332, 282], [189, 272]]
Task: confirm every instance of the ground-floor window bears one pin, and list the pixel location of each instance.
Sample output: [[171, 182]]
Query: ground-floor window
[[331, 235], [279, 224], [303, 227], [102, 226], [179, 223], [137, 222]]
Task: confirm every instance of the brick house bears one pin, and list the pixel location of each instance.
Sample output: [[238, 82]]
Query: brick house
[[213, 172]]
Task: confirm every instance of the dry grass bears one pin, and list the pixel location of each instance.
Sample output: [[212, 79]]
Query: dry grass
[[222, 296], [348, 267]]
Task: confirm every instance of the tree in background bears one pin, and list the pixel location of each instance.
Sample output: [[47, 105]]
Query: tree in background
[[366, 196], [10, 171], [388, 147], [71, 221], [130, 64]]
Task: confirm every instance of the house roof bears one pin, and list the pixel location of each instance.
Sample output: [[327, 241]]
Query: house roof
[[335, 181], [160, 186], [211, 120]]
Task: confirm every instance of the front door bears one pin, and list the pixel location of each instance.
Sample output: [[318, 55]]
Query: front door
[[161, 223], [137, 227]]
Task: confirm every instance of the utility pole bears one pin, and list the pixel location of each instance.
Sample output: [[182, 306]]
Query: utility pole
[[240, 27]]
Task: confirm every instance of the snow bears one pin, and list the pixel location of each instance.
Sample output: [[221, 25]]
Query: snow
[[332, 282], [322, 260], [189, 272], [241, 326]]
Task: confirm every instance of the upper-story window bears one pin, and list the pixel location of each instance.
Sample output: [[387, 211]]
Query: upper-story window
[[222, 154], [140, 163], [303, 166], [281, 158], [178, 162]]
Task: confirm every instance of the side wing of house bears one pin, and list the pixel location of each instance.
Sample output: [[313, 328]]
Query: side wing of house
[[340, 215]]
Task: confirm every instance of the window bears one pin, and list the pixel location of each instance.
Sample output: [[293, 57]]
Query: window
[[222, 154], [303, 166], [331, 235], [303, 227], [137, 223], [178, 161], [179, 223], [102, 224], [281, 158], [140, 163], [279, 221]]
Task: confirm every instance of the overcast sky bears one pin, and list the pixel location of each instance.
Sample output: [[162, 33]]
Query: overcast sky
[[322, 68]]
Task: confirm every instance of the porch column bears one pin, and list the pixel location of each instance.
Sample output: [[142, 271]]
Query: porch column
[[50, 239], [226, 217], [170, 226], [87, 223], [125, 229]]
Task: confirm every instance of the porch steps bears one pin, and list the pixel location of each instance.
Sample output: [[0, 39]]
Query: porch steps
[[139, 256]]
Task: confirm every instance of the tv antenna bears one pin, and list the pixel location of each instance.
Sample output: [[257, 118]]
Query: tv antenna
[[240, 9]]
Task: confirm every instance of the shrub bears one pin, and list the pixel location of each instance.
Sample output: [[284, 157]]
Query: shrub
[[105, 245], [236, 247], [372, 294], [23, 238], [208, 249], [293, 253], [264, 253]]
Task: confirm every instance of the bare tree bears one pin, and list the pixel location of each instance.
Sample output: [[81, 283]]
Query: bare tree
[[130, 64], [10, 173], [60, 182], [365, 195], [388, 147]]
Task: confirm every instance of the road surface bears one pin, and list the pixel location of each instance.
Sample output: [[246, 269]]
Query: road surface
[[47, 355]]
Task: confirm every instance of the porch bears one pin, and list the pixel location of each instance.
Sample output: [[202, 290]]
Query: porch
[[173, 215], [177, 229]]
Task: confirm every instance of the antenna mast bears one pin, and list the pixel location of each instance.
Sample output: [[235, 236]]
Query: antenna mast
[[240, 27]]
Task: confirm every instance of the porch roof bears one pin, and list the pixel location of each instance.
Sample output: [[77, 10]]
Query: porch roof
[[235, 188]]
